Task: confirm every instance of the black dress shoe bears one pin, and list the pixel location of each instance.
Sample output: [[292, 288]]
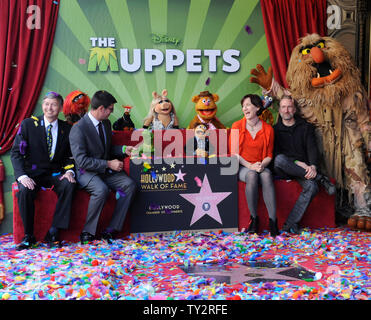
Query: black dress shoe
[[86, 237], [108, 236], [293, 228], [52, 240], [327, 184], [27, 242]]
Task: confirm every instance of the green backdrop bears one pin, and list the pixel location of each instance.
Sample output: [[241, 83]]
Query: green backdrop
[[196, 24]]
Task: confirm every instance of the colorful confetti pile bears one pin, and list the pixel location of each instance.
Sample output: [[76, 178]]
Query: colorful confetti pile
[[149, 267]]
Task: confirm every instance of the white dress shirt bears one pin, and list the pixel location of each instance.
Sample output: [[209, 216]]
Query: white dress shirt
[[54, 132], [96, 123]]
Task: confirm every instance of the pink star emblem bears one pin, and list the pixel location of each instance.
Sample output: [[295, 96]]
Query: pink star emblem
[[180, 175], [205, 202]]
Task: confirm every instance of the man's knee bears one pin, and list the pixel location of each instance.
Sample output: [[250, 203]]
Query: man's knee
[[133, 186], [67, 186], [24, 192], [130, 186], [280, 161], [100, 191]]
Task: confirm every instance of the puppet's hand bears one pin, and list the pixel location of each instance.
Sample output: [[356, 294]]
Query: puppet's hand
[[262, 78], [201, 153]]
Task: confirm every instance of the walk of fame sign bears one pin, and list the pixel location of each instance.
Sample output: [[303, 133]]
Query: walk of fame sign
[[182, 196]]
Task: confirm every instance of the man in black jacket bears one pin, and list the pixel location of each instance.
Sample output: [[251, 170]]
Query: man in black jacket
[[297, 157], [41, 157]]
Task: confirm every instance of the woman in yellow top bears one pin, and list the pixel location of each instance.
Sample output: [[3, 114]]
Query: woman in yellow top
[[256, 139]]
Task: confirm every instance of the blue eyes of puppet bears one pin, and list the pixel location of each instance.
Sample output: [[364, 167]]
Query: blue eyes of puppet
[[162, 101]]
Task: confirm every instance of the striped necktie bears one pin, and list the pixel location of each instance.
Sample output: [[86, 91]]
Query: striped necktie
[[49, 140]]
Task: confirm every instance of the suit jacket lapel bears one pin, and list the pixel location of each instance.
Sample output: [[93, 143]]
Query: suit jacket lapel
[[107, 132], [93, 132], [60, 136]]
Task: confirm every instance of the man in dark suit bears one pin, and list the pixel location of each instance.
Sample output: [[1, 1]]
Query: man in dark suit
[[41, 157], [99, 169]]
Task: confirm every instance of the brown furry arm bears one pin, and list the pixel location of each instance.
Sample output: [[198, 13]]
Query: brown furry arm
[[262, 78], [276, 90]]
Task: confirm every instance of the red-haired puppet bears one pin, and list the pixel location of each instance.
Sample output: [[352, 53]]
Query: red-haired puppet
[[75, 105]]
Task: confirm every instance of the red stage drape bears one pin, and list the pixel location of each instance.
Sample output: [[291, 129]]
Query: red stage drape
[[27, 31], [286, 21]]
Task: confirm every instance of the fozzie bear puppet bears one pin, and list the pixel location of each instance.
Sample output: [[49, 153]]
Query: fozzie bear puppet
[[324, 81], [206, 109]]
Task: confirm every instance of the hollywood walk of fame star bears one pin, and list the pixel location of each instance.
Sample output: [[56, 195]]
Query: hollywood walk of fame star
[[180, 175], [239, 273], [205, 202]]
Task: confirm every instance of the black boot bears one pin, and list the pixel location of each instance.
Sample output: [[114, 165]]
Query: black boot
[[273, 228], [254, 225], [326, 183], [293, 228]]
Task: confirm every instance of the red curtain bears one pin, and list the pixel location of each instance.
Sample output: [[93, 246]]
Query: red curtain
[[286, 21], [27, 29]]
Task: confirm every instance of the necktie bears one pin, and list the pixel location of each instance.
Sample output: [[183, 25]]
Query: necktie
[[101, 134], [49, 140]]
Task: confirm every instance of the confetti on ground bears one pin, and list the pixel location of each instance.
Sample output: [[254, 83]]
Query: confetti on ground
[[150, 267]]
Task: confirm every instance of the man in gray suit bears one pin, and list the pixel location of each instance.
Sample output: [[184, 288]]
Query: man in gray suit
[[99, 169]]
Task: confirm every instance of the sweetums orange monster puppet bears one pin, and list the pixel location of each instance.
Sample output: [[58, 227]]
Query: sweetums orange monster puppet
[[327, 87]]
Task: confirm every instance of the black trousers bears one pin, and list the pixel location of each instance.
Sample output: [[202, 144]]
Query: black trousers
[[26, 201]]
